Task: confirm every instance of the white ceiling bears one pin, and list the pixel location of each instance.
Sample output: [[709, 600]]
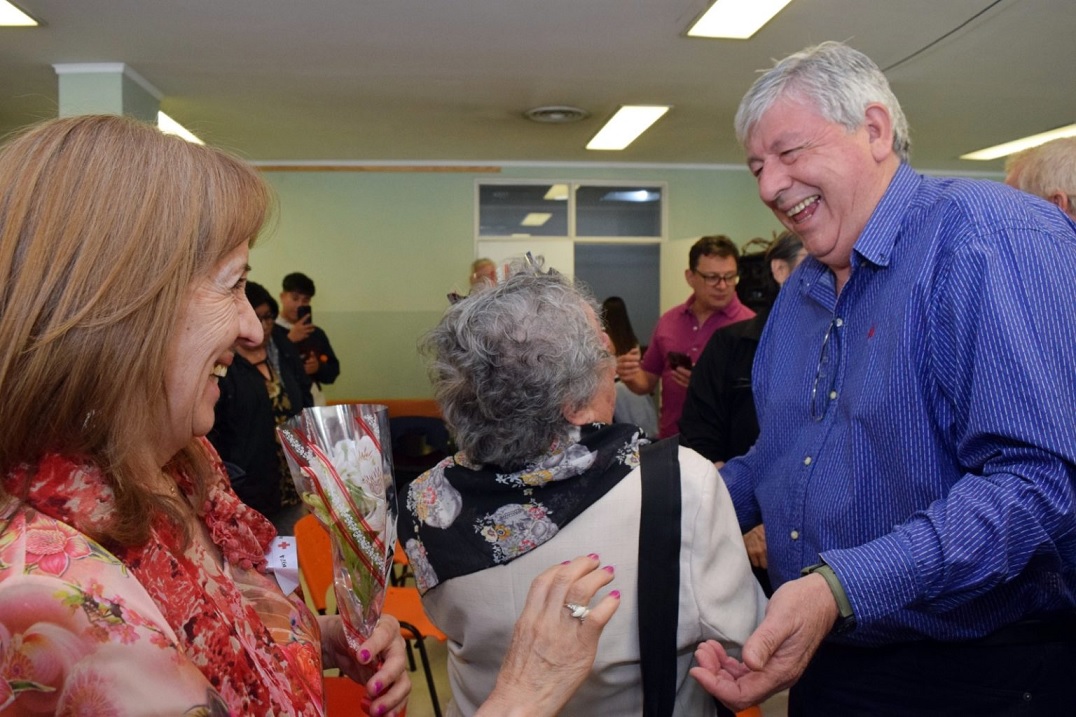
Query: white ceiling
[[449, 80]]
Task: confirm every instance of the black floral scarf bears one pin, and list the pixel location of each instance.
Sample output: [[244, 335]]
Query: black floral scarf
[[460, 518]]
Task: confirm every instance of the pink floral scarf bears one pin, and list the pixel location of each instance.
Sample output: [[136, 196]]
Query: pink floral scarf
[[258, 648]]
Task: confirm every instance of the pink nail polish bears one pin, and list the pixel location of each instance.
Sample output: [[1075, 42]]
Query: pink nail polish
[[609, 569], [567, 562], [378, 687], [615, 594], [593, 556], [380, 710], [364, 656]]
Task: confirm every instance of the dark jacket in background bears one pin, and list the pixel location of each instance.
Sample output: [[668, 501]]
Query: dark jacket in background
[[292, 363], [318, 344], [719, 418], [244, 432]]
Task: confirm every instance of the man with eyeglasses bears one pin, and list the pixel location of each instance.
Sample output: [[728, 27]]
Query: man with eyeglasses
[[915, 387], [682, 332]]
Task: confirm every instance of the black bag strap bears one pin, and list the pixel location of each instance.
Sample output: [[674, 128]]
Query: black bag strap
[[659, 574]]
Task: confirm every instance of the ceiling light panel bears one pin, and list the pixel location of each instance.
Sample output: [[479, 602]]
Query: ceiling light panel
[[736, 19], [11, 16], [536, 219], [169, 126], [1018, 145], [626, 125], [632, 195], [557, 193]]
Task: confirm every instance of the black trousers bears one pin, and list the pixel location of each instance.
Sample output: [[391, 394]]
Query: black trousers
[[934, 679]]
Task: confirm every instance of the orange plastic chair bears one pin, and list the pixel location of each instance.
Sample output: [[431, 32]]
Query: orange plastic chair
[[315, 564], [344, 697], [404, 604], [313, 545], [399, 560]]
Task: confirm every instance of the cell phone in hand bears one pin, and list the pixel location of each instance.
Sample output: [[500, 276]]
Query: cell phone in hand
[[679, 360], [303, 311]]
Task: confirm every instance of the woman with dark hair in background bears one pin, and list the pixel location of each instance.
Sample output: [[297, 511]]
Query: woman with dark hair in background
[[630, 407], [262, 389], [618, 325]]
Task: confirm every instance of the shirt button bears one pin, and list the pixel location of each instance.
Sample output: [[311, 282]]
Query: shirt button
[[807, 461], [833, 395], [838, 322], [795, 535]]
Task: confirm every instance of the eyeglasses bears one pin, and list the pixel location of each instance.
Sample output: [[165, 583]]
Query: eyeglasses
[[731, 279], [824, 389]]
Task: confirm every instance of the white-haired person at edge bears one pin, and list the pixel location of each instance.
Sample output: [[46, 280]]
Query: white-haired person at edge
[[1047, 171], [524, 375], [916, 460]]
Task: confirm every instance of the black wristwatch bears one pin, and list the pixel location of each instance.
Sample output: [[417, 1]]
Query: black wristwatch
[[846, 620]]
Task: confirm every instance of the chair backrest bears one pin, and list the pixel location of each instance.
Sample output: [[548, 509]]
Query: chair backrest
[[404, 604], [400, 406], [315, 567], [431, 432], [315, 560], [418, 444]]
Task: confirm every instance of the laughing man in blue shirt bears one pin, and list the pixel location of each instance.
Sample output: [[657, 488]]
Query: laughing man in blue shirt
[[916, 392]]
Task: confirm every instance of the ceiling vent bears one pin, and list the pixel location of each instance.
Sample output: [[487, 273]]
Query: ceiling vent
[[556, 114]]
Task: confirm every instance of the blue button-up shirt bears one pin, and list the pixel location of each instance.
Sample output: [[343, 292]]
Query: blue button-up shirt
[[926, 448]]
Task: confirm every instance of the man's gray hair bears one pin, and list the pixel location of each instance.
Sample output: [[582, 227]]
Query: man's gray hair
[[835, 79], [1046, 169], [506, 362]]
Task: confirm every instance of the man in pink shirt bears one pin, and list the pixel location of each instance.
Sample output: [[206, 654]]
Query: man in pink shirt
[[683, 330]]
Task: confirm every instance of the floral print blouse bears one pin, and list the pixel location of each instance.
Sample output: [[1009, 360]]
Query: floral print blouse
[[147, 630]]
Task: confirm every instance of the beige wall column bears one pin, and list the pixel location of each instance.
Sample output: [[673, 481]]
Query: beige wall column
[[106, 88]]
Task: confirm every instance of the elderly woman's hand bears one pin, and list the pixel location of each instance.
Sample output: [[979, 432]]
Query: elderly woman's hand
[[552, 652], [381, 665]]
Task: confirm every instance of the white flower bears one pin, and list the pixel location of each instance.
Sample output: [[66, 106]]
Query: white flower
[[360, 463]]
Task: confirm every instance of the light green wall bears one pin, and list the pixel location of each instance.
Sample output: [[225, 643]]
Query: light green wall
[[384, 248]]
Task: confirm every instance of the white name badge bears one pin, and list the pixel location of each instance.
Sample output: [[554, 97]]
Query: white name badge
[[283, 562]]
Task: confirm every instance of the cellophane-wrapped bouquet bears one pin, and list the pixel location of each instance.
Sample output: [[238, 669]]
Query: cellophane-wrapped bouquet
[[341, 461]]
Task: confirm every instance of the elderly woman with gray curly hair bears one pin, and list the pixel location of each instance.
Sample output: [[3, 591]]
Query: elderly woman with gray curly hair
[[524, 376]]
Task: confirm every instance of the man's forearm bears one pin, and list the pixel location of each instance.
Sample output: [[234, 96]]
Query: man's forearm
[[640, 382]]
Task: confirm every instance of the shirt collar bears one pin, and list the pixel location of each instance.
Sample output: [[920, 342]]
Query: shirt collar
[[876, 242], [732, 308]]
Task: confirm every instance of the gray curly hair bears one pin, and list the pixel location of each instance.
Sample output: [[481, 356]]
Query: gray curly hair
[[508, 361], [837, 80]]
